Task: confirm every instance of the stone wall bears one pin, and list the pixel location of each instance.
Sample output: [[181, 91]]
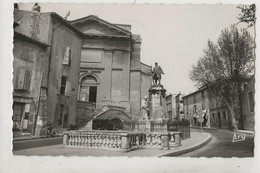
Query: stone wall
[[85, 112]]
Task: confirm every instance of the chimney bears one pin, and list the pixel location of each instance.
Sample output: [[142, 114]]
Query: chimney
[[36, 7], [16, 6]]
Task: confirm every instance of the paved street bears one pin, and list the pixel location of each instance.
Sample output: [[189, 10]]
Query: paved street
[[33, 143], [221, 145], [189, 144]]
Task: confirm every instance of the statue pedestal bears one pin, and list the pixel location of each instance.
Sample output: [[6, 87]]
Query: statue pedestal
[[157, 104], [158, 117], [144, 125]]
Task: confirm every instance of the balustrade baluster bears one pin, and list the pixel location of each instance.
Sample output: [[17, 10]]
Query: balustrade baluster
[[76, 139], [105, 141], [108, 141], [172, 139], [90, 140], [148, 139], [131, 140], [102, 140], [112, 141], [119, 141], [99, 140], [73, 139], [82, 140], [159, 139], [70, 139], [154, 139], [115, 142], [136, 140], [85, 140], [95, 140], [79, 139]]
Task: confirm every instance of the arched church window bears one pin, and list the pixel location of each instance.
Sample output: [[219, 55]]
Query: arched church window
[[88, 89]]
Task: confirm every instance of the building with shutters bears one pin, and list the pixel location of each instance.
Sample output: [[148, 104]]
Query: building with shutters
[[29, 57], [216, 113], [174, 106], [51, 78]]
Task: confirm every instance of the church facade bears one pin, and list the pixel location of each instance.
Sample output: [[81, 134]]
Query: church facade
[[111, 71]]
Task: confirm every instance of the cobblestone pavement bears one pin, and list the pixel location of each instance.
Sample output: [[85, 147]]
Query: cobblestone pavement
[[221, 145]]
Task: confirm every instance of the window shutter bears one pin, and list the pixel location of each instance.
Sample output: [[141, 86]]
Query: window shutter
[[31, 55], [27, 80], [70, 57], [25, 53], [66, 116], [68, 88], [16, 79], [58, 85], [57, 112], [66, 56], [21, 79]]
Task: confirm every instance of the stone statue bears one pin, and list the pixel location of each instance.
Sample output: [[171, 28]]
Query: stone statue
[[144, 114], [157, 72]]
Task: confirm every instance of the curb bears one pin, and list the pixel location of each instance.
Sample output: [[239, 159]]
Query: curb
[[206, 128], [246, 132], [33, 138], [187, 149]]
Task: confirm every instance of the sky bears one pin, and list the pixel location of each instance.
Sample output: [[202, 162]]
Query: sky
[[172, 35]]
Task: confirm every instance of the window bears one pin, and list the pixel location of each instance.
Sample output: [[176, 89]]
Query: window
[[27, 54], [213, 118], [18, 109], [67, 56], [202, 94], [23, 80], [194, 109], [224, 115], [89, 94], [63, 85], [88, 89], [251, 101], [194, 98], [61, 115]]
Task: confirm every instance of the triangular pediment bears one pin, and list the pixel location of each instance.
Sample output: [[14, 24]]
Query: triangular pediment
[[92, 25], [110, 114]]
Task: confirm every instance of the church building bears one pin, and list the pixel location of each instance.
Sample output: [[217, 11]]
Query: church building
[[111, 71]]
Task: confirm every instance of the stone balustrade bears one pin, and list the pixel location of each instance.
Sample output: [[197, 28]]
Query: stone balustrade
[[104, 140], [121, 140], [163, 140]]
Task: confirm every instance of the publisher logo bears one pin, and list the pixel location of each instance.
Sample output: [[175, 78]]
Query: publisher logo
[[239, 137]]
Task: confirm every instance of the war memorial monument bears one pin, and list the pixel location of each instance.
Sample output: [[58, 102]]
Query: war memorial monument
[[152, 130]]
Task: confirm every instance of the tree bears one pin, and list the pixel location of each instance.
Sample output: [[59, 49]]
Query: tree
[[224, 66], [247, 14]]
